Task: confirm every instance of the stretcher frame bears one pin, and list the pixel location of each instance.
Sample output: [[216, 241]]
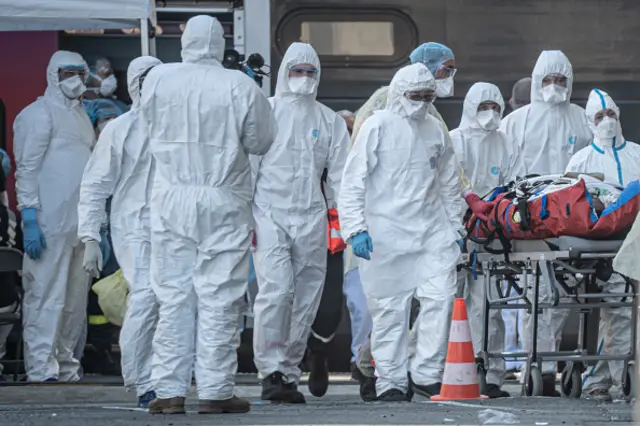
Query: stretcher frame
[[568, 256]]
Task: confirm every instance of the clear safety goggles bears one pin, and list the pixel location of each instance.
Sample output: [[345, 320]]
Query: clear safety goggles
[[445, 72], [555, 78], [73, 70], [420, 95], [298, 71], [489, 106], [605, 113]]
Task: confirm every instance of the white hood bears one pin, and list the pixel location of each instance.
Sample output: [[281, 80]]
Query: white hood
[[479, 93], [550, 62], [297, 53], [599, 100], [410, 78], [137, 67], [62, 59], [203, 40]]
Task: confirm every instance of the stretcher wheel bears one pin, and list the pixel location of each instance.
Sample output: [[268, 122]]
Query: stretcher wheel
[[534, 383], [630, 383], [571, 382], [482, 379]]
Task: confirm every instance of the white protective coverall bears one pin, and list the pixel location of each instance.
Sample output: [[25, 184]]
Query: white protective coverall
[[204, 122], [291, 219], [548, 134], [619, 160], [401, 184], [121, 166], [489, 158], [53, 139]]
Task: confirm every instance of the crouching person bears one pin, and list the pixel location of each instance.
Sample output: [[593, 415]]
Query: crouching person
[[399, 188]]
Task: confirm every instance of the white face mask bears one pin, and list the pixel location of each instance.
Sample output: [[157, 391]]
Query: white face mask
[[72, 87], [416, 110], [554, 94], [302, 85], [489, 120], [108, 86], [444, 87], [606, 130]]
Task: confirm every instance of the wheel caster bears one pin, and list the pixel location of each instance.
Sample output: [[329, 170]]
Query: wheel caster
[[482, 379], [534, 385], [630, 383], [571, 382]]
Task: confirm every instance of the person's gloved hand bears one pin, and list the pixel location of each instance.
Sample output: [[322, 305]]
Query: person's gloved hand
[[362, 245], [6, 162], [105, 248], [33, 238], [479, 207], [92, 262]]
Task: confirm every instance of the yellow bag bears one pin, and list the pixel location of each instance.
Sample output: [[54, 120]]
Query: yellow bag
[[112, 294]]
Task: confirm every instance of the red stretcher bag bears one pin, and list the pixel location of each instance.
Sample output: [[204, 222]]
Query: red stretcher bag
[[569, 211]]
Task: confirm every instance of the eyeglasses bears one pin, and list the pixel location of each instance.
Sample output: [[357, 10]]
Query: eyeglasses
[[488, 106], [420, 96]]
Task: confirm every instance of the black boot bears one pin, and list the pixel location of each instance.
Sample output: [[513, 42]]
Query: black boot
[[549, 385], [426, 390], [367, 388], [318, 374], [493, 391], [393, 395], [275, 389]]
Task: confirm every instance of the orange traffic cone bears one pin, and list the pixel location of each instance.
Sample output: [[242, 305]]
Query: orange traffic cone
[[460, 381]]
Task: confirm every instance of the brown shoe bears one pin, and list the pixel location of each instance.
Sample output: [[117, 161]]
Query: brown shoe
[[231, 405], [167, 406]]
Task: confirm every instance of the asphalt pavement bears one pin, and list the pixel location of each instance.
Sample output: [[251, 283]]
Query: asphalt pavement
[[90, 404]]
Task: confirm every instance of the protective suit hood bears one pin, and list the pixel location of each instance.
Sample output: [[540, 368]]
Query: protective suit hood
[[136, 69], [550, 62], [297, 53], [203, 41], [62, 59], [599, 100], [479, 93], [410, 78]]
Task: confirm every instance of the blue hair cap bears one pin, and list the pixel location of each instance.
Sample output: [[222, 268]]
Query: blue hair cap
[[432, 54]]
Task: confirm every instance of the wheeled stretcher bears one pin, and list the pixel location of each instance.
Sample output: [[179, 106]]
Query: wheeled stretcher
[[574, 266]]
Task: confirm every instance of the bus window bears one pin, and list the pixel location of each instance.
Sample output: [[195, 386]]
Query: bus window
[[349, 38]]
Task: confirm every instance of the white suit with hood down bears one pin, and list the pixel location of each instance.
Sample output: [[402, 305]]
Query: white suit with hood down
[[619, 160], [121, 166], [401, 185], [53, 139], [291, 218], [548, 134], [489, 158], [204, 122]]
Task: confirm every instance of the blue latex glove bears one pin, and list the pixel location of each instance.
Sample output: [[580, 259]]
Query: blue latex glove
[[33, 238], [105, 248], [6, 162], [362, 245]]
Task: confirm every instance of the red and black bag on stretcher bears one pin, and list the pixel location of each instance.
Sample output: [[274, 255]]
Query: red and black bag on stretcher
[[552, 208]]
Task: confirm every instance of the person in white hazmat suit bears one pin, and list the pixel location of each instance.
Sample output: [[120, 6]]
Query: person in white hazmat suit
[[548, 132], [489, 158], [290, 213], [204, 122], [609, 153], [53, 139], [399, 187], [121, 166]]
